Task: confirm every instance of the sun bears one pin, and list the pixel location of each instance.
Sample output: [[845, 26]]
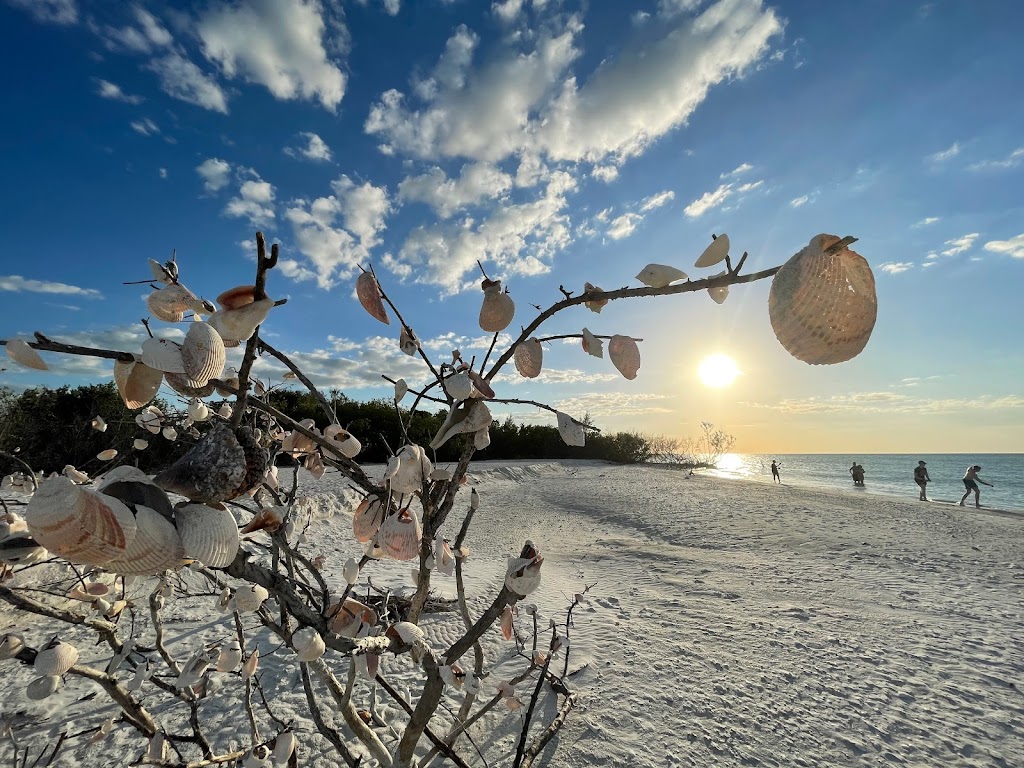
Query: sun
[[718, 371]]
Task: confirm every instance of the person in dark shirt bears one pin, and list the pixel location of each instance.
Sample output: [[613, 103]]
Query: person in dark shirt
[[921, 478]]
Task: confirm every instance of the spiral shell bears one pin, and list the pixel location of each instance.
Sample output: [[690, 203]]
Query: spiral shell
[[660, 275], [163, 355], [20, 352], [155, 548], [498, 309], [715, 252], [368, 293], [208, 534], [308, 644], [625, 355], [468, 416], [202, 354], [529, 358], [137, 383], [43, 687], [55, 659], [221, 466], [399, 535], [348, 618], [822, 305], [367, 518], [572, 432]]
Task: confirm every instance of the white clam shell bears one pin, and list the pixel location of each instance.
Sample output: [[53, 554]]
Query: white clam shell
[[20, 352], [98, 423], [308, 644], [108, 455], [241, 323], [43, 687], [351, 571], [11, 645], [345, 440], [202, 353], [197, 410], [284, 745], [401, 388], [229, 657], [597, 305], [591, 344], [163, 355], [137, 383], [249, 668], [413, 467], [458, 386], [248, 599], [497, 310], [529, 358], [407, 342], [625, 355], [209, 535], [714, 253], [150, 420], [444, 559], [171, 302], [55, 659], [399, 535], [139, 444], [721, 293], [660, 275], [572, 432], [155, 548]]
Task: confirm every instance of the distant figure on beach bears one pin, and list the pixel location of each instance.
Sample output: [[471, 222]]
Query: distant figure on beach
[[775, 472], [971, 481], [857, 471], [921, 478]]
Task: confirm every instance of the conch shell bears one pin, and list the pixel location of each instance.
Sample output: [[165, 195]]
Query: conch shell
[[498, 309], [529, 357], [223, 465], [368, 293], [469, 416]]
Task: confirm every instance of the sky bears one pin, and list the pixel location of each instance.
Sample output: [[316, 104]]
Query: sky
[[556, 142]]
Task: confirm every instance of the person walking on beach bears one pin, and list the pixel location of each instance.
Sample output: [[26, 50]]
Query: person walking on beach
[[775, 472], [971, 481], [921, 478]]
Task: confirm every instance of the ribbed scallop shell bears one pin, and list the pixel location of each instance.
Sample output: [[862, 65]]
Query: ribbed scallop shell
[[241, 323], [368, 293], [249, 598], [137, 383], [308, 644], [407, 632], [529, 358], [571, 432], [202, 354], [822, 305], [163, 355], [221, 466], [183, 385], [659, 275], [171, 302], [43, 687], [469, 416], [79, 524], [367, 518], [498, 309], [592, 345], [458, 386], [131, 485], [156, 547], [399, 535], [714, 253], [625, 355], [56, 659], [237, 297], [209, 535], [20, 352]]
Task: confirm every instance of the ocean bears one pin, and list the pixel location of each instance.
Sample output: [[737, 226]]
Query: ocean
[[890, 474]]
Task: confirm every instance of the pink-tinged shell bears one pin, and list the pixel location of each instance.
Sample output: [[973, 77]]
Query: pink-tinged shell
[[529, 358], [507, 629], [249, 668], [137, 383], [660, 275], [223, 465], [720, 293], [79, 524], [715, 252], [20, 352], [43, 687], [522, 574], [368, 293], [481, 385], [238, 297], [267, 519], [451, 675], [56, 659], [241, 323], [822, 305], [407, 342], [367, 518], [592, 345], [308, 644], [155, 548], [171, 302], [348, 618], [163, 355], [596, 305], [498, 309], [399, 535], [407, 632], [183, 385], [469, 416], [202, 354], [315, 466], [207, 534], [625, 355], [572, 433], [413, 468]]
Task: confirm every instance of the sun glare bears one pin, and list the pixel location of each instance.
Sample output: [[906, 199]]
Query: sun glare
[[718, 371]]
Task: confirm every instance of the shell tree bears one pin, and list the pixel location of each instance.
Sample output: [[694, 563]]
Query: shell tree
[[221, 522]]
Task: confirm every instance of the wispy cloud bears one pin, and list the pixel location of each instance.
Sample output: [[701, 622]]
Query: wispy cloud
[[624, 225], [658, 200], [1013, 247], [613, 404], [737, 171], [946, 154], [49, 11], [896, 267], [960, 244], [17, 284], [1012, 160], [316, 149], [112, 91], [891, 402], [146, 127], [926, 222], [711, 200]]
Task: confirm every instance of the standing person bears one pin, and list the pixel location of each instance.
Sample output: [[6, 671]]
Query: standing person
[[775, 472], [858, 476], [971, 481], [853, 472], [921, 478]]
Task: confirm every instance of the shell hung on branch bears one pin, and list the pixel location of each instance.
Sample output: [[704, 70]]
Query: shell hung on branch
[[529, 358], [163, 355], [308, 644], [507, 627], [592, 345], [498, 309], [139, 444], [137, 383], [267, 519], [482, 439], [155, 548], [659, 275], [79, 524], [407, 342], [367, 518], [249, 598], [21, 549], [98, 423], [720, 293], [481, 385], [164, 273], [108, 455], [822, 305], [229, 657], [43, 687], [171, 302], [572, 432], [444, 558], [183, 385], [345, 441], [413, 467], [11, 645], [223, 465], [20, 352], [197, 410], [131, 486], [151, 419], [458, 386], [399, 535], [208, 534], [596, 305], [202, 354], [55, 659], [715, 252], [240, 324], [401, 389], [368, 293], [296, 444], [237, 297], [249, 668], [351, 571], [522, 575], [284, 746], [469, 416], [625, 355]]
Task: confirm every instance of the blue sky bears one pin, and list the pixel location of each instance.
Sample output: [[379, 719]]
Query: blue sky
[[557, 142]]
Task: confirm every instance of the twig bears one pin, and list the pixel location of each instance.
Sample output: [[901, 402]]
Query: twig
[[44, 344], [521, 749], [331, 417], [538, 744]]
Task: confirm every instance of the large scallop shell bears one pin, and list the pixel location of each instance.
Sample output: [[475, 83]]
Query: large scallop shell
[[572, 432], [529, 357], [155, 548], [399, 535], [308, 644], [171, 302], [42, 687], [183, 385], [202, 354], [469, 416], [249, 598], [235, 298], [715, 252], [368, 293], [163, 354], [592, 345], [20, 352], [660, 275], [413, 468], [498, 309], [241, 323], [221, 466], [79, 524], [137, 383], [348, 618], [625, 355], [207, 534], [367, 518], [823, 305], [132, 486], [55, 659]]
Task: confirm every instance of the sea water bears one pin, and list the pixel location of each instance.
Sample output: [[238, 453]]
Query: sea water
[[890, 474]]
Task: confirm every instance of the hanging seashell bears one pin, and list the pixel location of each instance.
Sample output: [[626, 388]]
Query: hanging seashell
[[256, 757], [349, 618], [822, 305], [43, 687], [315, 466], [185, 386], [351, 571], [407, 341], [267, 519], [238, 297], [21, 549], [98, 423], [366, 665], [155, 548], [507, 629], [659, 275], [163, 355], [469, 416], [137, 383], [55, 659], [401, 388], [413, 469], [367, 518], [10, 645], [229, 657], [142, 673], [224, 411], [522, 575], [229, 378], [444, 559], [438, 475], [346, 441], [625, 355], [407, 632], [368, 293], [78, 524], [139, 444], [208, 534], [132, 486], [474, 499], [74, 475], [481, 385], [529, 356], [223, 465], [399, 535], [498, 309], [249, 668], [451, 675], [241, 323], [170, 433], [721, 293], [594, 306], [171, 302], [458, 386], [308, 644], [715, 252], [248, 599], [482, 439], [20, 352], [284, 746], [296, 444], [192, 672], [166, 274], [197, 410], [592, 345], [202, 354], [571, 431]]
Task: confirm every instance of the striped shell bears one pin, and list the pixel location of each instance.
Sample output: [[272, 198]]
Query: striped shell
[[202, 354], [207, 534], [529, 358], [823, 305], [407, 632], [399, 535], [137, 383], [498, 309], [241, 323], [592, 345], [20, 352], [155, 548], [659, 275], [221, 466], [171, 302], [183, 385], [43, 687], [367, 518], [469, 416], [56, 659], [625, 355], [163, 355], [132, 486], [715, 252], [235, 298], [78, 524], [368, 293], [572, 433], [308, 644]]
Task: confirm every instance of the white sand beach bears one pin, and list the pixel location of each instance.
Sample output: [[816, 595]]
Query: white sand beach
[[728, 623]]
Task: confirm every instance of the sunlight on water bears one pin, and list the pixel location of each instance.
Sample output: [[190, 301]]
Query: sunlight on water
[[734, 463]]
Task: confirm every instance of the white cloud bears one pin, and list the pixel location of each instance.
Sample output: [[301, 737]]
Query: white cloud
[[215, 172], [613, 404], [255, 201], [163, 173], [145, 126], [182, 79], [605, 173], [1013, 247], [737, 171], [708, 201], [275, 43], [960, 244], [796, 202], [148, 36], [658, 200], [108, 90], [507, 10], [750, 186], [49, 11], [316, 149], [477, 182], [896, 267], [1012, 160], [946, 154], [926, 222], [391, 7], [17, 284], [624, 225]]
